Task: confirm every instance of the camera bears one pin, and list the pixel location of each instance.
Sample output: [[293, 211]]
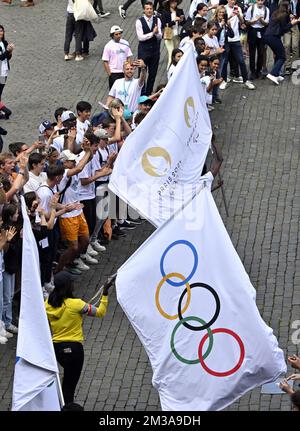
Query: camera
[[63, 131]]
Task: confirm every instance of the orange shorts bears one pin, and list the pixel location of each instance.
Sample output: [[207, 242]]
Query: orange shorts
[[73, 227]]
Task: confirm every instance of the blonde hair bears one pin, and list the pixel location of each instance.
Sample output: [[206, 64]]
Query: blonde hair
[[215, 15]]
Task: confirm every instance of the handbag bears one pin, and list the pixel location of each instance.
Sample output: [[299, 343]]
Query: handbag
[[83, 10], [168, 33]]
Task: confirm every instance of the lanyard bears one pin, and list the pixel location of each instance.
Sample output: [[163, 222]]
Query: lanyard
[[126, 90]]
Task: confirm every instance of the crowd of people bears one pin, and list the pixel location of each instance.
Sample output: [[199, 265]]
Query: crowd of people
[[64, 176]]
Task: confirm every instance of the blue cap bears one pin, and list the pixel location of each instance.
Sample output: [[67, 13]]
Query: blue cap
[[143, 99], [45, 125]]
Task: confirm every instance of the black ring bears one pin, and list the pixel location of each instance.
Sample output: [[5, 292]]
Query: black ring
[[217, 312]]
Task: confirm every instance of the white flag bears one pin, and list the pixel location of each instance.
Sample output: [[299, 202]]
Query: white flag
[[160, 164], [35, 379], [190, 300]]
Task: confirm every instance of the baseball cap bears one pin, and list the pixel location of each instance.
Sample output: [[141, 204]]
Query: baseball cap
[[144, 100], [101, 134], [115, 29], [45, 125], [67, 155], [67, 116]]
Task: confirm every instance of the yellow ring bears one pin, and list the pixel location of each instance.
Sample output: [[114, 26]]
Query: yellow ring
[[188, 300]]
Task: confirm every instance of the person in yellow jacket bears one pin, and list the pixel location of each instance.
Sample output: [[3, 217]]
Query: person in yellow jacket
[[65, 314]]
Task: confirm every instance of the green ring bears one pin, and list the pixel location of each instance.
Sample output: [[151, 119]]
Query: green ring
[[209, 348]]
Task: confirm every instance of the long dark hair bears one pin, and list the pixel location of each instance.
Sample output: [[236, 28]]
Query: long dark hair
[[2, 28], [8, 211], [282, 13], [174, 52], [64, 287]]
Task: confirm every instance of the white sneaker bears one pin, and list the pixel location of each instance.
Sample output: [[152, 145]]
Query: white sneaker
[[122, 12], [238, 80], [45, 294], [81, 265], [210, 108], [4, 333], [280, 78], [223, 85], [48, 287], [97, 246], [91, 251], [12, 328], [3, 340], [249, 85], [79, 58], [69, 57], [88, 258], [273, 78], [8, 335]]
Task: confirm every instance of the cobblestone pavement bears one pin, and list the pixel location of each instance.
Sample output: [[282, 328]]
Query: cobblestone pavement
[[259, 132]]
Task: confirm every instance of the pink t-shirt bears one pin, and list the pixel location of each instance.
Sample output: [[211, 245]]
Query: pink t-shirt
[[116, 53]]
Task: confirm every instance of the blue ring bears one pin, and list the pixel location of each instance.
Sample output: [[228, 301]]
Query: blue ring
[[187, 279]]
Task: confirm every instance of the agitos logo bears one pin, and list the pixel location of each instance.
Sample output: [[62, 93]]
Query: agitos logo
[[156, 161], [188, 107], [184, 320]]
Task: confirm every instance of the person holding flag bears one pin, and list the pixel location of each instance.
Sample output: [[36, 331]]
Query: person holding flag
[[65, 314]]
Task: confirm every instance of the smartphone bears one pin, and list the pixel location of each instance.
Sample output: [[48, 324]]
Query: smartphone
[[41, 138], [63, 131]]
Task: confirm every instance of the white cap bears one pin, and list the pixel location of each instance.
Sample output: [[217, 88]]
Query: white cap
[[115, 29], [67, 115], [67, 155]]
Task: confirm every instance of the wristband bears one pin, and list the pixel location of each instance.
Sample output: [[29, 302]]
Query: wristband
[[21, 173]]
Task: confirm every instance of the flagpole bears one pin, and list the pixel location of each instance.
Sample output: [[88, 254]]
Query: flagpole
[[60, 393]]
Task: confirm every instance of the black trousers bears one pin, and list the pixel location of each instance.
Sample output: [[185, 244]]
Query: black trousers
[[129, 2], [151, 60], [75, 28], [256, 44], [70, 355], [1, 89], [48, 255], [98, 6], [89, 211], [113, 77]]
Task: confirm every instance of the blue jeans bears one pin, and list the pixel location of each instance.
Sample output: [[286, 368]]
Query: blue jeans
[[277, 47], [8, 293], [235, 48]]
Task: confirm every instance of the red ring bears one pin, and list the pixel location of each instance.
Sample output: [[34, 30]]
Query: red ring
[[241, 359]]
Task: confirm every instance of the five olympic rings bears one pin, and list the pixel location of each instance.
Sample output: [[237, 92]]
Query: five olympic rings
[[184, 320]]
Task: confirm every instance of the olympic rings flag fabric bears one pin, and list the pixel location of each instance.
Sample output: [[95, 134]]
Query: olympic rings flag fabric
[[160, 164], [191, 302]]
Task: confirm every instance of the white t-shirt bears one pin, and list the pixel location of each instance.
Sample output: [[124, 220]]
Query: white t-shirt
[[4, 63], [46, 194], [70, 7], [127, 91], [257, 12], [171, 71], [86, 192], [235, 24], [104, 152], [71, 194], [116, 53], [81, 129], [34, 182], [205, 81], [58, 143], [211, 42]]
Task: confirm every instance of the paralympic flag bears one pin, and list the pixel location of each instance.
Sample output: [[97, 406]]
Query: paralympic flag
[[190, 301], [35, 379], [160, 164]]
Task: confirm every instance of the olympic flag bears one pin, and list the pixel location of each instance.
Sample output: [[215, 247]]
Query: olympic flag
[[189, 299], [161, 162], [35, 379]]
